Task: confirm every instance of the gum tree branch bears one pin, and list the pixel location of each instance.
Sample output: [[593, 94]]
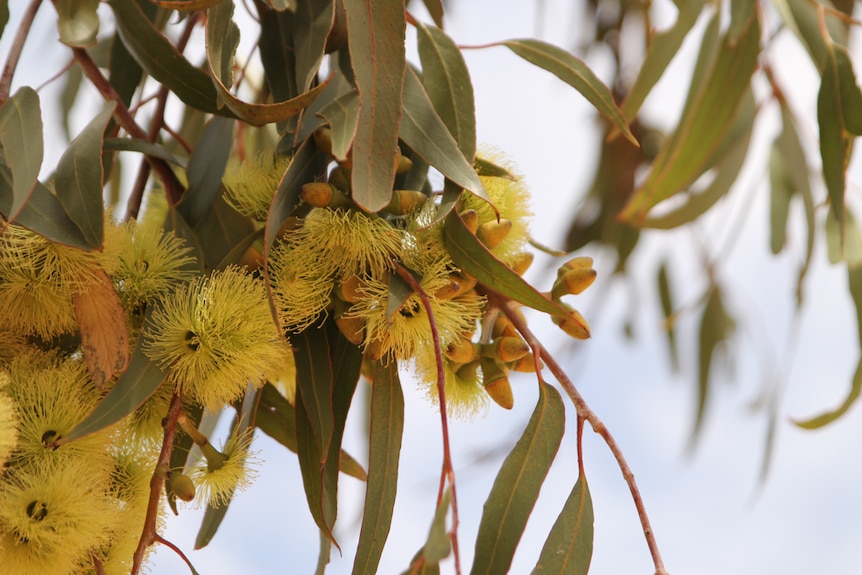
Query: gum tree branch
[[587, 414], [16, 49]]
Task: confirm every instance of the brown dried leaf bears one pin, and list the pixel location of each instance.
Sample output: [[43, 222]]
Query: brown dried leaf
[[104, 336]]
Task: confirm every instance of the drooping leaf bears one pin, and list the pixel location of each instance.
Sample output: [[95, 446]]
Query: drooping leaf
[[186, 5], [384, 451], [851, 95], [341, 115], [740, 13], [104, 335], [133, 388], [143, 147], [79, 178], [729, 158], [313, 22], [435, 10], [427, 135], [846, 245], [278, 56], [802, 17], [222, 36], [77, 22], [155, 53], [574, 72], [21, 143], [706, 119], [667, 308], [314, 377], [855, 386], [221, 230], [663, 47], [276, 417], [4, 15], [473, 257], [399, 291], [447, 81], [834, 143], [716, 327], [206, 167], [375, 35], [438, 546], [569, 547], [517, 485]]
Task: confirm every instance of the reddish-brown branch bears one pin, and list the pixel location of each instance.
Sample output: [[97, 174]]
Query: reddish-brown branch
[[173, 188], [177, 550], [587, 414], [16, 48], [157, 483], [448, 472]]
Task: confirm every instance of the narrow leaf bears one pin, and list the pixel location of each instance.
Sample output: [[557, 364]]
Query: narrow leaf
[[384, 450], [144, 147], [21, 143], [832, 415], [569, 547], [834, 144], [222, 36], [206, 167], [438, 546], [77, 22], [79, 178], [313, 21], [221, 230], [574, 72], [667, 308], [341, 115], [375, 35], [851, 95], [473, 257], [42, 213], [706, 120], [311, 351], [715, 330], [135, 386], [158, 56], [447, 81], [517, 485], [427, 135]]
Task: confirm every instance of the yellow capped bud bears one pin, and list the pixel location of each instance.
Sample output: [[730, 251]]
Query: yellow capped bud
[[468, 371], [496, 380], [458, 285], [526, 364], [511, 348], [317, 194], [493, 233], [573, 323], [503, 325], [578, 263], [405, 201], [350, 288], [403, 163], [573, 282], [182, 486], [461, 351], [471, 219], [352, 328], [521, 262], [323, 140], [252, 259]]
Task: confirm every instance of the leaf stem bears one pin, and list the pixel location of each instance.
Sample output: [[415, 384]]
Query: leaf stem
[[448, 472], [16, 49], [587, 414], [173, 188], [157, 483]]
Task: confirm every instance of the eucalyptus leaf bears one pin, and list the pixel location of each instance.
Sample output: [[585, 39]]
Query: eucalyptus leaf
[[313, 20], [569, 547], [22, 146], [341, 114], [77, 22]]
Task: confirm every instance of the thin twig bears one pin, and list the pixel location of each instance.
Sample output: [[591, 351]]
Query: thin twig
[[587, 414], [157, 483], [448, 471], [16, 48], [177, 550], [173, 188]]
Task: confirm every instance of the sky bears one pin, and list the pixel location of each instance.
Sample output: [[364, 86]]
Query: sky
[[710, 513]]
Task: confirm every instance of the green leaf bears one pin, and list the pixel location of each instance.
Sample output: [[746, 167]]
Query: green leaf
[[574, 72], [4, 15], [716, 327], [77, 22], [834, 143], [569, 547], [667, 309], [79, 178], [802, 17], [843, 245], [427, 135], [851, 95], [305, 166], [155, 53], [473, 257], [314, 377], [664, 46], [729, 159], [276, 417], [740, 13], [222, 36], [341, 115], [384, 451], [706, 119], [144, 147], [517, 485], [313, 21], [220, 232], [278, 57], [826, 418], [435, 10], [399, 291], [21, 143], [375, 35], [438, 546], [133, 388], [206, 167], [447, 81]]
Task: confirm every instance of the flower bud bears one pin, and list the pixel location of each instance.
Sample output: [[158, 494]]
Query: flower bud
[[493, 233], [350, 289], [521, 262], [573, 323], [402, 163], [352, 328], [458, 285], [496, 380], [471, 219], [461, 351], [526, 364], [340, 178], [573, 282], [323, 140], [580, 262], [405, 201], [182, 486]]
